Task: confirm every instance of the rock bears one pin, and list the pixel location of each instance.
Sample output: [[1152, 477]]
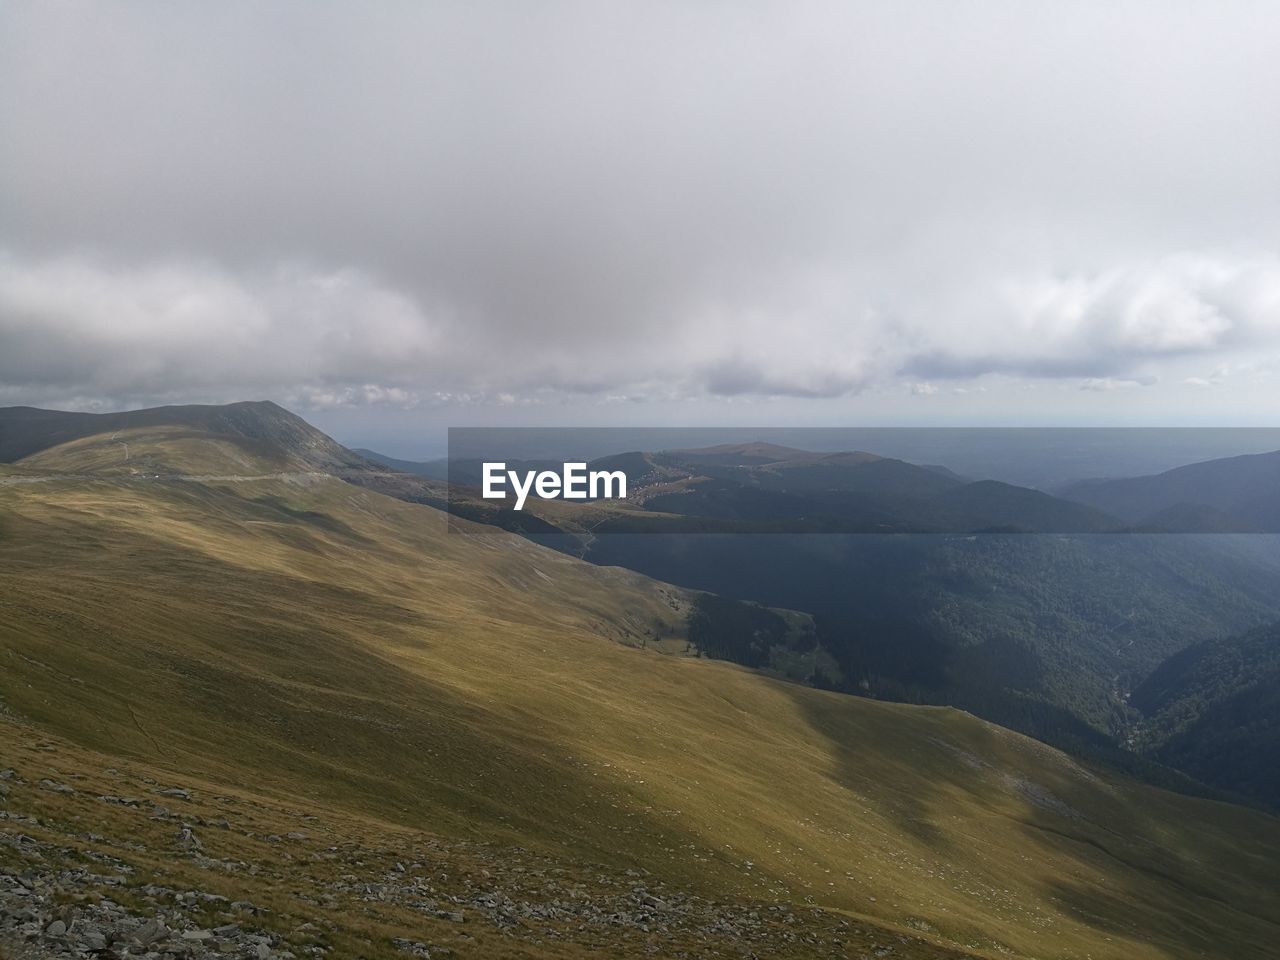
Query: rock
[[92, 942], [56, 787], [412, 947], [197, 935], [56, 929], [91, 939], [148, 932], [187, 840]]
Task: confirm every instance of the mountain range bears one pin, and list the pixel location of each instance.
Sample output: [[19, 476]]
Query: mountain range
[[1230, 494], [1047, 632], [247, 693]]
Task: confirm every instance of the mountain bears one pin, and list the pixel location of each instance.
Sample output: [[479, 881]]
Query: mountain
[[766, 488], [1213, 710], [258, 434], [772, 467], [1004, 506], [750, 454], [1043, 633], [435, 469], [1046, 632], [1191, 518], [1245, 489], [289, 708]]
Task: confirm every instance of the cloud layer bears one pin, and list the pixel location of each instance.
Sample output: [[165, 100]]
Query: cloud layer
[[451, 204]]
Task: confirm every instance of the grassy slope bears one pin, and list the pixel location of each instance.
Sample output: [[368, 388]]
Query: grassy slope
[[315, 875], [317, 641], [159, 450]]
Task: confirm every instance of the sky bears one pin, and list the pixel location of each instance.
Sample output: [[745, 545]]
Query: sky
[[395, 217]]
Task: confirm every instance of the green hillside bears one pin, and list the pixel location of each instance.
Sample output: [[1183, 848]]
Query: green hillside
[[1213, 710], [259, 433], [297, 646]]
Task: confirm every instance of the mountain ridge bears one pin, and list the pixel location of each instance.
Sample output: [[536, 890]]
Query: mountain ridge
[[314, 640], [49, 439], [1245, 488]]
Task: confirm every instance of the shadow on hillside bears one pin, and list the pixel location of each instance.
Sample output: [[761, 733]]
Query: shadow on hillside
[[903, 803], [1164, 899], [1181, 874]]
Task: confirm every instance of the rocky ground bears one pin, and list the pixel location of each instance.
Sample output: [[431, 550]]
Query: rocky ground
[[118, 863]]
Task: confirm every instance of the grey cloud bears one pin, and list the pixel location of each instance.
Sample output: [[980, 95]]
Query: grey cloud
[[735, 377], [416, 204], [946, 366]]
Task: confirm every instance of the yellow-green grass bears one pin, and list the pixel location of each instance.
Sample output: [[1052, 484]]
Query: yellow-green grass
[[159, 449], [304, 868], [320, 641]]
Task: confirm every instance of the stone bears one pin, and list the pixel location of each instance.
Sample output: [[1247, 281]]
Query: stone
[[56, 929], [148, 932], [91, 939], [187, 840]]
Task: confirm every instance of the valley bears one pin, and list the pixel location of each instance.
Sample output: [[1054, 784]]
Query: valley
[[1030, 610]]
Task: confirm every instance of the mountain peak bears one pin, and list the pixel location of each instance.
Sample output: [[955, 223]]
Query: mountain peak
[[262, 430]]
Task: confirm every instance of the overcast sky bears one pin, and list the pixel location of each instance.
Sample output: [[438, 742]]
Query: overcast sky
[[388, 215]]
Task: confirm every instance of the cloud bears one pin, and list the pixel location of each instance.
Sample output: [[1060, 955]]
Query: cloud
[[86, 326], [1107, 384], [736, 377], [1111, 323], [433, 205]]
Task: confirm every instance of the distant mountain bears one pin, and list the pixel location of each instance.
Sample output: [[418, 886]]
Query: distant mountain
[[1213, 711], [760, 487], [435, 469], [1003, 506], [1245, 490], [261, 430], [742, 454], [1191, 518]]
